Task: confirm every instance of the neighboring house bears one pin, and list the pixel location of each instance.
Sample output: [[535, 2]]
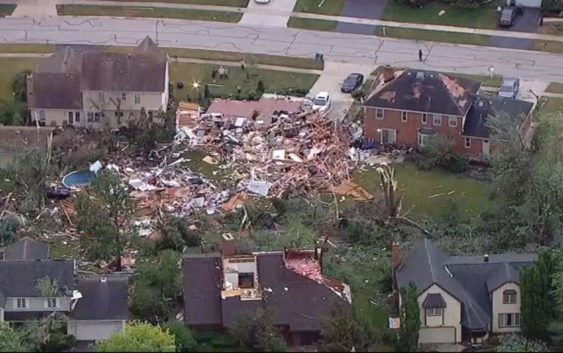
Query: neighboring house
[[219, 289], [409, 107], [101, 308], [462, 298], [89, 87], [96, 306]]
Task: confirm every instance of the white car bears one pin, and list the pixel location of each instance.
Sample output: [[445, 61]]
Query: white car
[[321, 102]]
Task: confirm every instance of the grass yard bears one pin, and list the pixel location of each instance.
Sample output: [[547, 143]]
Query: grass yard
[[201, 73], [65, 250], [7, 9], [129, 11], [551, 28], [26, 48], [551, 105], [434, 192], [555, 87], [232, 3], [311, 23], [432, 36], [486, 80], [548, 46], [484, 17], [329, 7], [9, 68]]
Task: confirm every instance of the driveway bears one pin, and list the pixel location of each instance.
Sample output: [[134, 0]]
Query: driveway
[[527, 22], [276, 13], [372, 9]]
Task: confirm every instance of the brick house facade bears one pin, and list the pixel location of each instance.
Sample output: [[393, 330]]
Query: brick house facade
[[409, 107]]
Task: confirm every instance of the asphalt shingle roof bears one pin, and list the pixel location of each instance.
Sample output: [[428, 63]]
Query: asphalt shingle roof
[[19, 278], [102, 300], [26, 249], [434, 300]]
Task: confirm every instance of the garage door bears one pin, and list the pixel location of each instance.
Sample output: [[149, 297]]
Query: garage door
[[436, 335], [527, 3], [93, 331]]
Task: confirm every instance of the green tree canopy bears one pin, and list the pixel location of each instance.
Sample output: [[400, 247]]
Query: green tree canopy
[[185, 342], [256, 333], [517, 343], [10, 340], [139, 337], [410, 319]]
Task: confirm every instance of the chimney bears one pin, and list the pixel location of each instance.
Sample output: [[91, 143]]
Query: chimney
[[103, 279], [395, 263], [388, 73], [228, 246], [486, 258]]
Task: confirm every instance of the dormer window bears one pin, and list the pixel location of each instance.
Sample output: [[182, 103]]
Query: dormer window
[[434, 304], [509, 296]]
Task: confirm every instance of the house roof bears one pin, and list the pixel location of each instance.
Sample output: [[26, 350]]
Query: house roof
[[425, 91], [27, 249], [434, 300], [19, 278], [295, 300], [476, 121], [102, 300], [466, 278], [54, 91], [505, 273]]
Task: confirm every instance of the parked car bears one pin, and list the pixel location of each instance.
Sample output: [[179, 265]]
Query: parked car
[[352, 82], [509, 87], [508, 15], [321, 102]]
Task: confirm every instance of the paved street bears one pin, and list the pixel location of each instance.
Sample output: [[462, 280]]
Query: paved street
[[341, 47]]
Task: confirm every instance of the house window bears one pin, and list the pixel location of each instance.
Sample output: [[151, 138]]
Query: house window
[[434, 312], [21, 303], [388, 136], [42, 117], [118, 114], [137, 98], [90, 117], [423, 139], [424, 118], [246, 280], [437, 120], [51, 303], [509, 320], [101, 96], [97, 117], [76, 117], [452, 121], [509, 296], [379, 114], [404, 117], [123, 96], [467, 142], [70, 117]]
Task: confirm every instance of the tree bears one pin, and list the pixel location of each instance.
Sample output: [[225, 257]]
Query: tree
[[156, 287], [536, 288], [176, 235], [19, 86], [8, 230], [260, 87], [139, 337], [256, 333], [10, 340], [32, 169], [342, 332], [104, 215], [517, 343], [45, 287], [410, 319], [183, 338]]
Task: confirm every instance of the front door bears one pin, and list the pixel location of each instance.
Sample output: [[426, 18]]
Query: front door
[[486, 148]]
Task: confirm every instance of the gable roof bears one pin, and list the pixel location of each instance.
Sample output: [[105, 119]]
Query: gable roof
[[494, 105], [26, 249], [19, 278], [425, 91], [295, 300], [504, 273], [434, 300], [102, 300], [54, 91], [464, 277]]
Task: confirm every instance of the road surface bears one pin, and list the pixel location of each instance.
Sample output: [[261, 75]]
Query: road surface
[[341, 47]]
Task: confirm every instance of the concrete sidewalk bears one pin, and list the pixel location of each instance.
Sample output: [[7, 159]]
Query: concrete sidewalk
[[168, 5], [33, 8]]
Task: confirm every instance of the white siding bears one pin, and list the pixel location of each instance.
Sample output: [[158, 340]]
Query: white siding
[[166, 93], [37, 304], [526, 3], [1, 315], [94, 330], [432, 330], [500, 308]]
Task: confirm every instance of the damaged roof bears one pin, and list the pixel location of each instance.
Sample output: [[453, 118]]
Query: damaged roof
[[295, 300], [486, 105], [469, 279], [425, 91]]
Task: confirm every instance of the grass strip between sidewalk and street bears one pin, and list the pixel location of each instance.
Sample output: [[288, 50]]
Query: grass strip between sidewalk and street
[[312, 24], [432, 36], [328, 7], [7, 9], [555, 87], [156, 12], [232, 3]]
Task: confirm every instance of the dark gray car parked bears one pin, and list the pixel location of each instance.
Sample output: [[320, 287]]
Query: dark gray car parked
[[352, 82]]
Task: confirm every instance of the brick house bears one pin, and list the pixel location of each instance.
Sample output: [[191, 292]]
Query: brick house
[[409, 106]]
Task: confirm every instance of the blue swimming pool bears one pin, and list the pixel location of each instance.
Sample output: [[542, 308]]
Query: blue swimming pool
[[79, 178]]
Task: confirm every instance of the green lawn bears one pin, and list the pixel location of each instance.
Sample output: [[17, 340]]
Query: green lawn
[[311, 23], [129, 11], [9, 68], [6, 9], [233, 3], [548, 46], [329, 7], [551, 105], [484, 17], [65, 250], [433, 192], [433, 36], [201, 73], [555, 87], [495, 81]]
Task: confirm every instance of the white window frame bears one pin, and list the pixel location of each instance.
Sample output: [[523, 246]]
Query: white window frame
[[510, 295], [137, 98], [503, 318], [437, 120], [434, 312], [424, 119], [50, 301], [42, 116], [379, 116], [423, 139], [21, 303], [467, 142], [77, 117], [70, 118], [404, 116], [452, 119], [123, 96], [388, 130]]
